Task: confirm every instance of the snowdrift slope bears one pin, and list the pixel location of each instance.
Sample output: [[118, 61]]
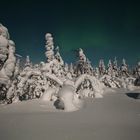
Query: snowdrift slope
[[114, 117]]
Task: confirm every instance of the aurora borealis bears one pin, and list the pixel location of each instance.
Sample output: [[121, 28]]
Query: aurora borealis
[[104, 29]]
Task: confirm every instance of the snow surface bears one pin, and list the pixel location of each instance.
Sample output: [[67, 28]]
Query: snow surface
[[114, 117]]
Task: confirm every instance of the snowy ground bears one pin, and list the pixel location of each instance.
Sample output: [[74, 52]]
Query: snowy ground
[[114, 117]]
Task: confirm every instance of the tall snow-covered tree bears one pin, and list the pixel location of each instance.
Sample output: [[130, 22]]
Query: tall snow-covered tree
[[58, 57], [115, 64], [101, 67], [115, 67], [7, 61], [17, 68], [71, 69], [28, 62], [58, 66], [55, 62], [83, 65], [49, 47], [137, 74], [110, 68], [124, 69]]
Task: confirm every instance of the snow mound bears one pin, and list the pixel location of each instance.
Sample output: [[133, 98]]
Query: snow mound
[[68, 99]]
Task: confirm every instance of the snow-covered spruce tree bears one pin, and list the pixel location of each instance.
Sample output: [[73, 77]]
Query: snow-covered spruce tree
[[13, 87], [58, 56], [17, 68], [115, 64], [97, 73], [58, 64], [28, 62], [7, 61], [27, 85], [124, 69], [83, 65], [109, 79], [18, 85], [66, 68], [55, 62], [101, 67], [80, 66], [49, 47], [137, 74], [110, 68], [30, 83], [67, 72], [89, 69], [71, 70], [115, 67]]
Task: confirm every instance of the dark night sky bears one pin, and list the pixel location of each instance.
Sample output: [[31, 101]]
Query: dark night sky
[[104, 29]]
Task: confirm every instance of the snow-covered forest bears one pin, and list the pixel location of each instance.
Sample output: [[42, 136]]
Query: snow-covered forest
[[55, 80]]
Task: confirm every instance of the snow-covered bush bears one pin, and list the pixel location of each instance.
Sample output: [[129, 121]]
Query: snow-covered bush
[[90, 84]]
